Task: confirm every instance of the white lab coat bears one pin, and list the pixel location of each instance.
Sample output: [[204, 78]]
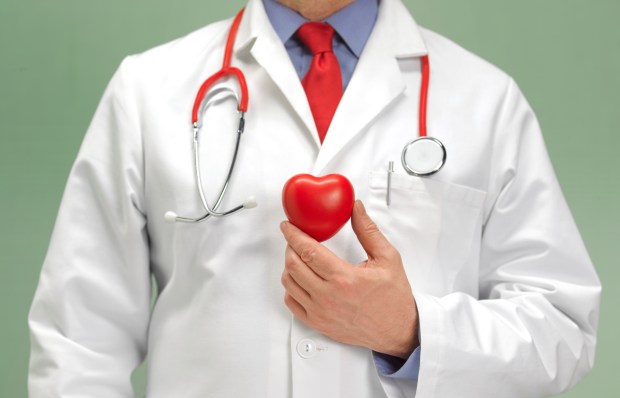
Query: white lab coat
[[507, 297]]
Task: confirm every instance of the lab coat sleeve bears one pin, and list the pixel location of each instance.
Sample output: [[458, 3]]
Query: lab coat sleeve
[[532, 330], [90, 313]]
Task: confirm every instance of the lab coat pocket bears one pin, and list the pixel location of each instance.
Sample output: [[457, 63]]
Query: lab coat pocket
[[436, 227]]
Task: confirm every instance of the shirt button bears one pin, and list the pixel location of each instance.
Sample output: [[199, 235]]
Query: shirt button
[[306, 348]]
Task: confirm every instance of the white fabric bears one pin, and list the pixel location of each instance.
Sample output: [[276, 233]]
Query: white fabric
[[507, 296]]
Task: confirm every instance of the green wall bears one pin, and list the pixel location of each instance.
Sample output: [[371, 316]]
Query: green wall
[[57, 56]]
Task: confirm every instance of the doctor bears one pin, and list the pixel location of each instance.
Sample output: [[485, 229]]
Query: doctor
[[473, 282]]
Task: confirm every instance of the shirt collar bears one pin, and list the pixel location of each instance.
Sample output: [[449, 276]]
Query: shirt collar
[[353, 23]]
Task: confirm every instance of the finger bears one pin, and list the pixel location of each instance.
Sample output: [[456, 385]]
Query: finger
[[322, 261], [372, 240], [305, 277], [296, 308], [297, 292]]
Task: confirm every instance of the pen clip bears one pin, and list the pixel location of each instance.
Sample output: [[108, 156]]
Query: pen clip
[[388, 194]]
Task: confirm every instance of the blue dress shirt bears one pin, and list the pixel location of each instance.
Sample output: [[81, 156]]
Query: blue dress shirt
[[353, 25]]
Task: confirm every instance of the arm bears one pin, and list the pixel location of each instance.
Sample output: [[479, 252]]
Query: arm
[[90, 313], [532, 330]]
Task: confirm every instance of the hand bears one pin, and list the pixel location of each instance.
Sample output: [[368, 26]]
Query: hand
[[370, 305]]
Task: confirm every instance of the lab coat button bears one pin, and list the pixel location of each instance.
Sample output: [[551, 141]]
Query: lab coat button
[[306, 348]]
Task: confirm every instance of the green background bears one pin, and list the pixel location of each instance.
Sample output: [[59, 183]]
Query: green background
[[57, 56]]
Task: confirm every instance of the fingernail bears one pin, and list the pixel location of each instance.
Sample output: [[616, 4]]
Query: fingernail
[[360, 207], [283, 225]]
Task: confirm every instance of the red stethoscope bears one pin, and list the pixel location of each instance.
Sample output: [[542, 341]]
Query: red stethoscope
[[422, 156]]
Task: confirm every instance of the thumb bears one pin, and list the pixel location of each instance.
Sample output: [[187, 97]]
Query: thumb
[[373, 241]]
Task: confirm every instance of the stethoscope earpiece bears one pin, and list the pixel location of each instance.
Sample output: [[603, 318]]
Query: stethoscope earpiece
[[250, 202], [170, 217]]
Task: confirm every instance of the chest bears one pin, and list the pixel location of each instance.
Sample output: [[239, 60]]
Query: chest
[[435, 222]]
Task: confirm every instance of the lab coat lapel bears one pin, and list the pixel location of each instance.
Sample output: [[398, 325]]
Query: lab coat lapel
[[377, 81], [257, 36]]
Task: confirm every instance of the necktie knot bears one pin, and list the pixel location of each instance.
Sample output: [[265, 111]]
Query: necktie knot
[[317, 36]]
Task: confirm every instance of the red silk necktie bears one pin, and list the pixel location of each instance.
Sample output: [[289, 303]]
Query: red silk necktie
[[323, 82]]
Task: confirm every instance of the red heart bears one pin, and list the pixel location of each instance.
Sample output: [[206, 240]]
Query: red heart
[[319, 206]]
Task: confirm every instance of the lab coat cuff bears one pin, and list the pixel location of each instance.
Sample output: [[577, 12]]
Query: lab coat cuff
[[398, 368], [435, 326]]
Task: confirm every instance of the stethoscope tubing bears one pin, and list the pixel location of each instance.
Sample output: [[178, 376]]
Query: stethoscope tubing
[[426, 76], [225, 70], [242, 105], [213, 211]]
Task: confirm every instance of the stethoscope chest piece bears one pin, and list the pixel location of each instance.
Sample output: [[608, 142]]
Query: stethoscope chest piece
[[424, 156]]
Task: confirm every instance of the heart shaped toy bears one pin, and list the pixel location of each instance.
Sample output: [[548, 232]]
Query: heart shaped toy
[[319, 206]]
